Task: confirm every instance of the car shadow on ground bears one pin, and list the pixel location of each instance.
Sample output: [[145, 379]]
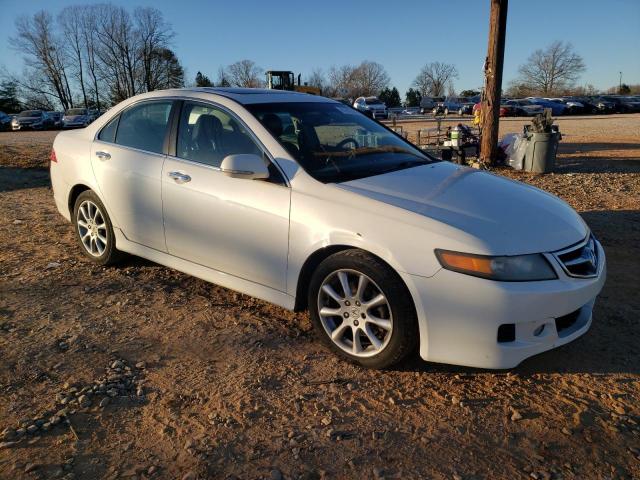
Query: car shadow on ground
[[20, 178]]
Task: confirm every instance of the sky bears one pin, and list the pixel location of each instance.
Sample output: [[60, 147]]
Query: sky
[[401, 35]]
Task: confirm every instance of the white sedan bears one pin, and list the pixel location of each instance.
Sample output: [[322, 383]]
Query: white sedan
[[306, 203]]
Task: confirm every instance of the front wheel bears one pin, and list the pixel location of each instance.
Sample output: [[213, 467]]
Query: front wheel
[[362, 310], [94, 230]]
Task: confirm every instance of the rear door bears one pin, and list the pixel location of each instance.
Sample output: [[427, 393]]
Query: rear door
[[127, 159]]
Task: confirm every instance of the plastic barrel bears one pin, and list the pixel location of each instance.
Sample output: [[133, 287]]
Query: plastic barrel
[[540, 156]]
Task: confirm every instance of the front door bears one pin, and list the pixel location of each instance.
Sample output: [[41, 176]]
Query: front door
[[236, 226]]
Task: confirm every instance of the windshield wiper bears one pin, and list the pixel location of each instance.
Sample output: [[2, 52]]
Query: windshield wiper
[[368, 151]]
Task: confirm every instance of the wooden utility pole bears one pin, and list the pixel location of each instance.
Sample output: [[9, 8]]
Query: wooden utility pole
[[493, 81]]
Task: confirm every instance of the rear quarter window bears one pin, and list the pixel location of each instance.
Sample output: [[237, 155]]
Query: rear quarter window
[[108, 132]]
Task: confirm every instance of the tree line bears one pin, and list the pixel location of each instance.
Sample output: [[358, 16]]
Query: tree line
[[95, 56]]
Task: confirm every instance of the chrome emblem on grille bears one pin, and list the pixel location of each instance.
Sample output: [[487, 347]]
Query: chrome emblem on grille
[[590, 255]]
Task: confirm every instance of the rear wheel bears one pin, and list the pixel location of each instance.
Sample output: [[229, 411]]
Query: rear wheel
[[362, 310], [94, 230]]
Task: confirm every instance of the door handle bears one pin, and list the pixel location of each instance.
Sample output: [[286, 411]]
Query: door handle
[[103, 155], [180, 177]]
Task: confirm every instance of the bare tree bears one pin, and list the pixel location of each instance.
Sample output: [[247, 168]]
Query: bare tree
[[317, 79], [165, 70], [244, 73], [44, 57], [551, 70], [71, 20], [350, 81], [153, 35], [341, 81], [223, 78], [117, 50], [90, 44], [434, 79], [369, 78]]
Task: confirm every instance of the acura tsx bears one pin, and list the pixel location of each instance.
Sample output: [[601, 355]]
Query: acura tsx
[[307, 203]]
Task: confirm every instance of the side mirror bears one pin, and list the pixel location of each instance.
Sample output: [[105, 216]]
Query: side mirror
[[244, 165]]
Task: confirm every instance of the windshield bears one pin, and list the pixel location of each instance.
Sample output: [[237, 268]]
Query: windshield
[[372, 101], [336, 143], [76, 111], [30, 113]]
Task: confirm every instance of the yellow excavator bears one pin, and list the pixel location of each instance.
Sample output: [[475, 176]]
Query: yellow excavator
[[285, 80]]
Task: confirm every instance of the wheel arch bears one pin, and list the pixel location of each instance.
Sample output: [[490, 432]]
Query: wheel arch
[[317, 257], [74, 193]]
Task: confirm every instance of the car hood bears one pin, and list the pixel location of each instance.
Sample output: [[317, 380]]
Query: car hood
[[508, 217]]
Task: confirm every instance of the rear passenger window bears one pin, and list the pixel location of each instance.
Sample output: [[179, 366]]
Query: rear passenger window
[[108, 133], [144, 126]]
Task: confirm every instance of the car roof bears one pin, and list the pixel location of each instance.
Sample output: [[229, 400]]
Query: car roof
[[246, 96]]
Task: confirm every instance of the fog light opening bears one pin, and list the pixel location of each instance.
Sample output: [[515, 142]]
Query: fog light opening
[[507, 333]]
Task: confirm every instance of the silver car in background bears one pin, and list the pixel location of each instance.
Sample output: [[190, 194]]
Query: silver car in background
[[371, 106], [77, 118]]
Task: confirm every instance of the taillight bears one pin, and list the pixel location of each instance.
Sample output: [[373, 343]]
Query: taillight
[[52, 156]]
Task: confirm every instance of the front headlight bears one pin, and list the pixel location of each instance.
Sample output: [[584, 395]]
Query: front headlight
[[518, 268]]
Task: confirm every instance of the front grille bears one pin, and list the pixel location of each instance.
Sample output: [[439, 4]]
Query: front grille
[[567, 321], [581, 260]]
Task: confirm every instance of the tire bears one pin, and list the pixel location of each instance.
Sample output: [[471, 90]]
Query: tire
[[391, 322], [99, 244]]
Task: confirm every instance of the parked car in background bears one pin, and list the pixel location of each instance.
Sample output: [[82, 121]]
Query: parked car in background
[[77, 118], [604, 105], [624, 104], [633, 103], [588, 105], [450, 105], [523, 107], [411, 111], [389, 249], [371, 106], [467, 104], [5, 122], [56, 118], [573, 107], [556, 107], [619, 103], [31, 120], [427, 104]]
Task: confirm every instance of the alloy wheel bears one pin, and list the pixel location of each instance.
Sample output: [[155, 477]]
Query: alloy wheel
[[92, 228], [355, 313]]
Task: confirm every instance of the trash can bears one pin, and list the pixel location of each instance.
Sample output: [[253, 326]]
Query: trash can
[[540, 156]]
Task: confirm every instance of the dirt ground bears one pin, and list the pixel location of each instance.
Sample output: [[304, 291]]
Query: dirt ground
[[201, 382]]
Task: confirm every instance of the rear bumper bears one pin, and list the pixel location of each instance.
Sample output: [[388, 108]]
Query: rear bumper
[[459, 316]]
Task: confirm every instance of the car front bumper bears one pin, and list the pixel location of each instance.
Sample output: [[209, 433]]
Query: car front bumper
[[459, 315]]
